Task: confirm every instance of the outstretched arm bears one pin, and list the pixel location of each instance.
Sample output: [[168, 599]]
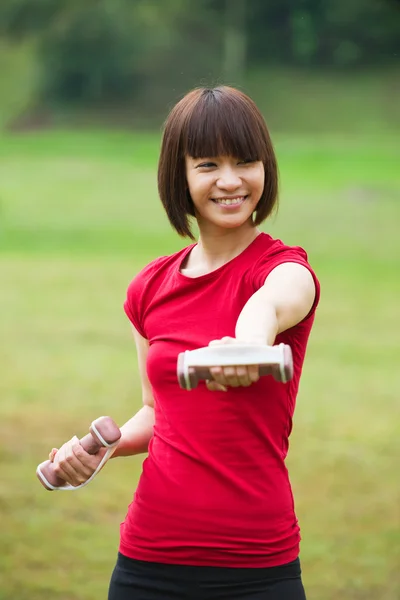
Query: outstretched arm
[[284, 300]]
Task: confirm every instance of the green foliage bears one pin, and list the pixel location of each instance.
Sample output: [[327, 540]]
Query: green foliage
[[89, 54], [19, 79], [21, 18], [111, 52], [93, 51], [333, 33]]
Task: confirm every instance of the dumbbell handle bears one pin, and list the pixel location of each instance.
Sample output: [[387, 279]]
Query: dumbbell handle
[[194, 365], [103, 432]]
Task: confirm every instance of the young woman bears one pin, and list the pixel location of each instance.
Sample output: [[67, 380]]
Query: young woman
[[213, 514]]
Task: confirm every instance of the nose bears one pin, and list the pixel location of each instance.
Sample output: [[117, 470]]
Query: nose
[[229, 180]]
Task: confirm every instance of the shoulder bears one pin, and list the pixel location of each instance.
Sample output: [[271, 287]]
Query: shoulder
[[158, 267], [145, 285], [267, 253], [270, 253], [147, 271], [270, 249]]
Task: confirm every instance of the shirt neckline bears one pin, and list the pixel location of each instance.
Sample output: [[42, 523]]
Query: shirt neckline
[[217, 271]]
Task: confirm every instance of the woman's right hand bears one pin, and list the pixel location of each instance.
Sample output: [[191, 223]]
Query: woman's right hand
[[73, 464]]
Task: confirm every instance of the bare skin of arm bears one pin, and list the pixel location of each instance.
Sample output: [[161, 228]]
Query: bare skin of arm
[[284, 300], [75, 466], [137, 432]]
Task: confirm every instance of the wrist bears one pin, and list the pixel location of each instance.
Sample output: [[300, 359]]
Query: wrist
[[255, 340]]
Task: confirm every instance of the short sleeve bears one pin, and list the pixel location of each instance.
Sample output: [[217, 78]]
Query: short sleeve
[[137, 296], [268, 261], [132, 305]]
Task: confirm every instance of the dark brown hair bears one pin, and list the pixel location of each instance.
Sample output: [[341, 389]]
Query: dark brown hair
[[211, 122]]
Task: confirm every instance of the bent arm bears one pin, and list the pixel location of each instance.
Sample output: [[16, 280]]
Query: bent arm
[[284, 300], [138, 431], [75, 466]]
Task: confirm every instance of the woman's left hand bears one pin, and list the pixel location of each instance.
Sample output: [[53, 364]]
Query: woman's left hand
[[232, 376]]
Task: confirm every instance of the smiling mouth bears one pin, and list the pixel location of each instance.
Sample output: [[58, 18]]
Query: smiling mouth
[[231, 202]]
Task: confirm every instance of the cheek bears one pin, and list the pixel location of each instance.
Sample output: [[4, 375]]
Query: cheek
[[261, 181], [198, 188], [258, 181], [191, 188], [193, 191]]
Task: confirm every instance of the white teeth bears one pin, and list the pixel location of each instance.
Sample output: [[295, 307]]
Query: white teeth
[[229, 200]]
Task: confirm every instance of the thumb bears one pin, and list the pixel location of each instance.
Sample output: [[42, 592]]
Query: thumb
[[213, 386], [103, 451]]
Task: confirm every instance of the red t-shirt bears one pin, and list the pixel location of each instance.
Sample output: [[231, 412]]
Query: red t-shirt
[[214, 488]]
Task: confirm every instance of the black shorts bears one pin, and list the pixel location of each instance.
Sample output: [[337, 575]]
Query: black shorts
[[140, 580]]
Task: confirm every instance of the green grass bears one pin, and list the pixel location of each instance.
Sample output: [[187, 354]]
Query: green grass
[[79, 216]]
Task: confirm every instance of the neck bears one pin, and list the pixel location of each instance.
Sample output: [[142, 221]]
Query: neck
[[217, 248]]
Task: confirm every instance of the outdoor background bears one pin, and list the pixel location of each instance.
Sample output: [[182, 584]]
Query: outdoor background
[[85, 87]]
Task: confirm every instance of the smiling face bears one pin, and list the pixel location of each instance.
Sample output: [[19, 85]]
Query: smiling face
[[217, 161], [225, 190]]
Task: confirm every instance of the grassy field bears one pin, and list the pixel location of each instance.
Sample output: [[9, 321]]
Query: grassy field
[[79, 217]]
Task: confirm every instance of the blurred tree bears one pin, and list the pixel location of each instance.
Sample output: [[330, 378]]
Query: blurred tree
[[235, 40], [110, 51], [360, 32], [333, 33], [89, 52], [93, 51], [18, 78]]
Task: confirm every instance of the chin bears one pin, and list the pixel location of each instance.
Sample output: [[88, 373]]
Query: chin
[[233, 224]]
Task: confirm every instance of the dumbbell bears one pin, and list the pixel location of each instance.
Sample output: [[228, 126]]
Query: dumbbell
[[194, 365], [103, 432]]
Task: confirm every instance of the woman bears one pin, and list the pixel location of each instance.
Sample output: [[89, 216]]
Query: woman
[[213, 514]]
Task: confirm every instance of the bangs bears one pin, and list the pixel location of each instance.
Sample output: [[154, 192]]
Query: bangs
[[221, 125]]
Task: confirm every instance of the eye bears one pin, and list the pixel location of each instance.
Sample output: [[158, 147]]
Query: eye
[[246, 161], [205, 165]]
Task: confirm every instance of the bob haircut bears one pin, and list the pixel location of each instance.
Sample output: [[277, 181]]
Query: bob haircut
[[211, 122]]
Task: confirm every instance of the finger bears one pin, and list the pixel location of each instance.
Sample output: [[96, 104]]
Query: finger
[[82, 463], [88, 462], [62, 473], [213, 386], [225, 376], [84, 468], [254, 373], [67, 466], [53, 453], [62, 467], [243, 376], [218, 375], [230, 377]]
